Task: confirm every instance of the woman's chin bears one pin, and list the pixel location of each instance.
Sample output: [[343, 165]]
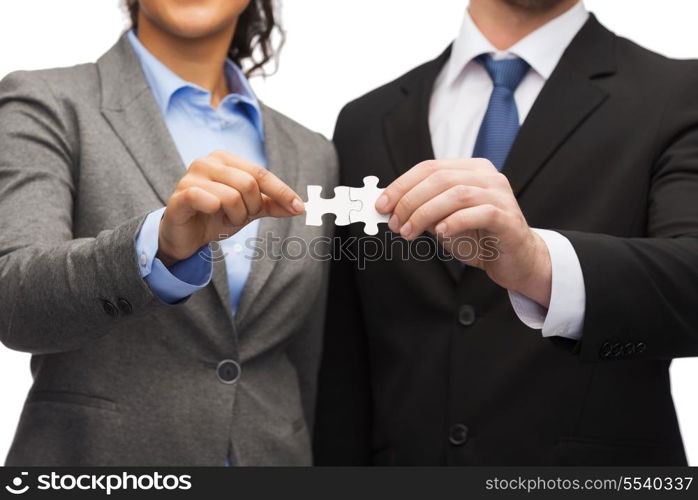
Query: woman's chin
[[192, 32], [191, 29]]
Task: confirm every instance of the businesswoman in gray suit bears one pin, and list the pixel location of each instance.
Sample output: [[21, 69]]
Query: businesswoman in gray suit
[[152, 345]]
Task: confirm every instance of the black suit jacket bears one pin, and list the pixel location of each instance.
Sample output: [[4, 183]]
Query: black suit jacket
[[427, 365]]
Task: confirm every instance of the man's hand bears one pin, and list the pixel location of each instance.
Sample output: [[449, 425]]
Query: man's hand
[[470, 198], [218, 196]]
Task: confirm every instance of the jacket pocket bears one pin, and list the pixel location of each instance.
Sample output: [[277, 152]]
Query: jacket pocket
[[71, 429], [590, 451], [74, 398]]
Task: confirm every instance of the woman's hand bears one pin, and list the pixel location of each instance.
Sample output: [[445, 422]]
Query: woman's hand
[[470, 198], [217, 197]]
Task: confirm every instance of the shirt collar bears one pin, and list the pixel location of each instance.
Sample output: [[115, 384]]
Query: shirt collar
[[164, 82], [541, 49]]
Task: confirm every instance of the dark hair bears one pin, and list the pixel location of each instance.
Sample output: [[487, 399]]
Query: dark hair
[[252, 41]]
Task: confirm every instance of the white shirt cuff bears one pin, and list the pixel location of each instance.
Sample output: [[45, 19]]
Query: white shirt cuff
[[565, 316]]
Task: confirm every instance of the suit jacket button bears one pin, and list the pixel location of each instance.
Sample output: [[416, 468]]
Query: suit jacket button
[[228, 371], [640, 347], [628, 349], [605, 350], [458, 434], [110, 308], [466, 315], [124, 306], [617, 349]]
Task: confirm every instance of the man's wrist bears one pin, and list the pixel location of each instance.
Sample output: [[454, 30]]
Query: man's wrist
[[537, 284]]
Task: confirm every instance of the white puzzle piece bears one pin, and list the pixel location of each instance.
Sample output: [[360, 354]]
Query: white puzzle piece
[[368, 195], [348, 205], [340, 206]]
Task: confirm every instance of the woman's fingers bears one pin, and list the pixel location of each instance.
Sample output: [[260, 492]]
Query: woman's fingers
[[232, 191], [210, 197], [240, 181], [185, 203], [263, 193], [271, 208], [267, 182], [232, 202]]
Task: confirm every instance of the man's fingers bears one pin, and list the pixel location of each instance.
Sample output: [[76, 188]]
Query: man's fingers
[[445, 204], [488, 217], [397, 189], [268, 183], [432, 186]]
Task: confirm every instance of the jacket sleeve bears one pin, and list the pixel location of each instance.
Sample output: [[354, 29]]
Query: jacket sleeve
[[56, 292], [642, 293]]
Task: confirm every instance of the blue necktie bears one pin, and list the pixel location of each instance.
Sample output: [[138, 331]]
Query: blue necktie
[[501, 122]]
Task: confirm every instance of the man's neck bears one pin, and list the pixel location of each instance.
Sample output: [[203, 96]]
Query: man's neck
[[200, 61], [504, 24]]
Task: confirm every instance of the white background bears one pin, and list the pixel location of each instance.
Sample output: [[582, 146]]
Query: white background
[[335, 51]]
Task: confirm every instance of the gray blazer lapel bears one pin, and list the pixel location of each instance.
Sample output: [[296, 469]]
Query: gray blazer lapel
[[282, 159], [129, 107]]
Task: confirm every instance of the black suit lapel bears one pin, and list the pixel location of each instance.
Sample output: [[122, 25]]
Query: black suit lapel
[[568, 98], [407, 132], [406, 126]]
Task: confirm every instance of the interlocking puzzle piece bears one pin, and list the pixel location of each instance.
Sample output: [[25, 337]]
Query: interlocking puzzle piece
[[368, 213], [341, 205], [348, 205]]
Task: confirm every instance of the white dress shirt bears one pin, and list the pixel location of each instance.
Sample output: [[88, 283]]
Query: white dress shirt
[[458, 105]]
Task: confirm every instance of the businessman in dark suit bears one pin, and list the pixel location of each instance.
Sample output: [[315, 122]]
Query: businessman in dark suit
[[576, 152]]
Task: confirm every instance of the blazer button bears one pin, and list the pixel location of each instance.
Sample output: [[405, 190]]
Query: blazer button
[[640, 347], [466, 315], [617, 349], [228, 371], [124, 306], [628, 349], [458, 435], [110, 308], [605, 350]]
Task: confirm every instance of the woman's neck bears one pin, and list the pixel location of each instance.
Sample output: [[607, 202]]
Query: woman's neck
[[200, 61]]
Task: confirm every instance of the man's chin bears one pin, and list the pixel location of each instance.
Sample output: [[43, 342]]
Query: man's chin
[[535, 5]]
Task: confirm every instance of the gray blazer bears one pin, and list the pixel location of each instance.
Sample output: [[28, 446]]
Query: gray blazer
[[119, 376]]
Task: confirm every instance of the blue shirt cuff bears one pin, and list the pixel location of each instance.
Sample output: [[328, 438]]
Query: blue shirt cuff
[[179, 280]]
